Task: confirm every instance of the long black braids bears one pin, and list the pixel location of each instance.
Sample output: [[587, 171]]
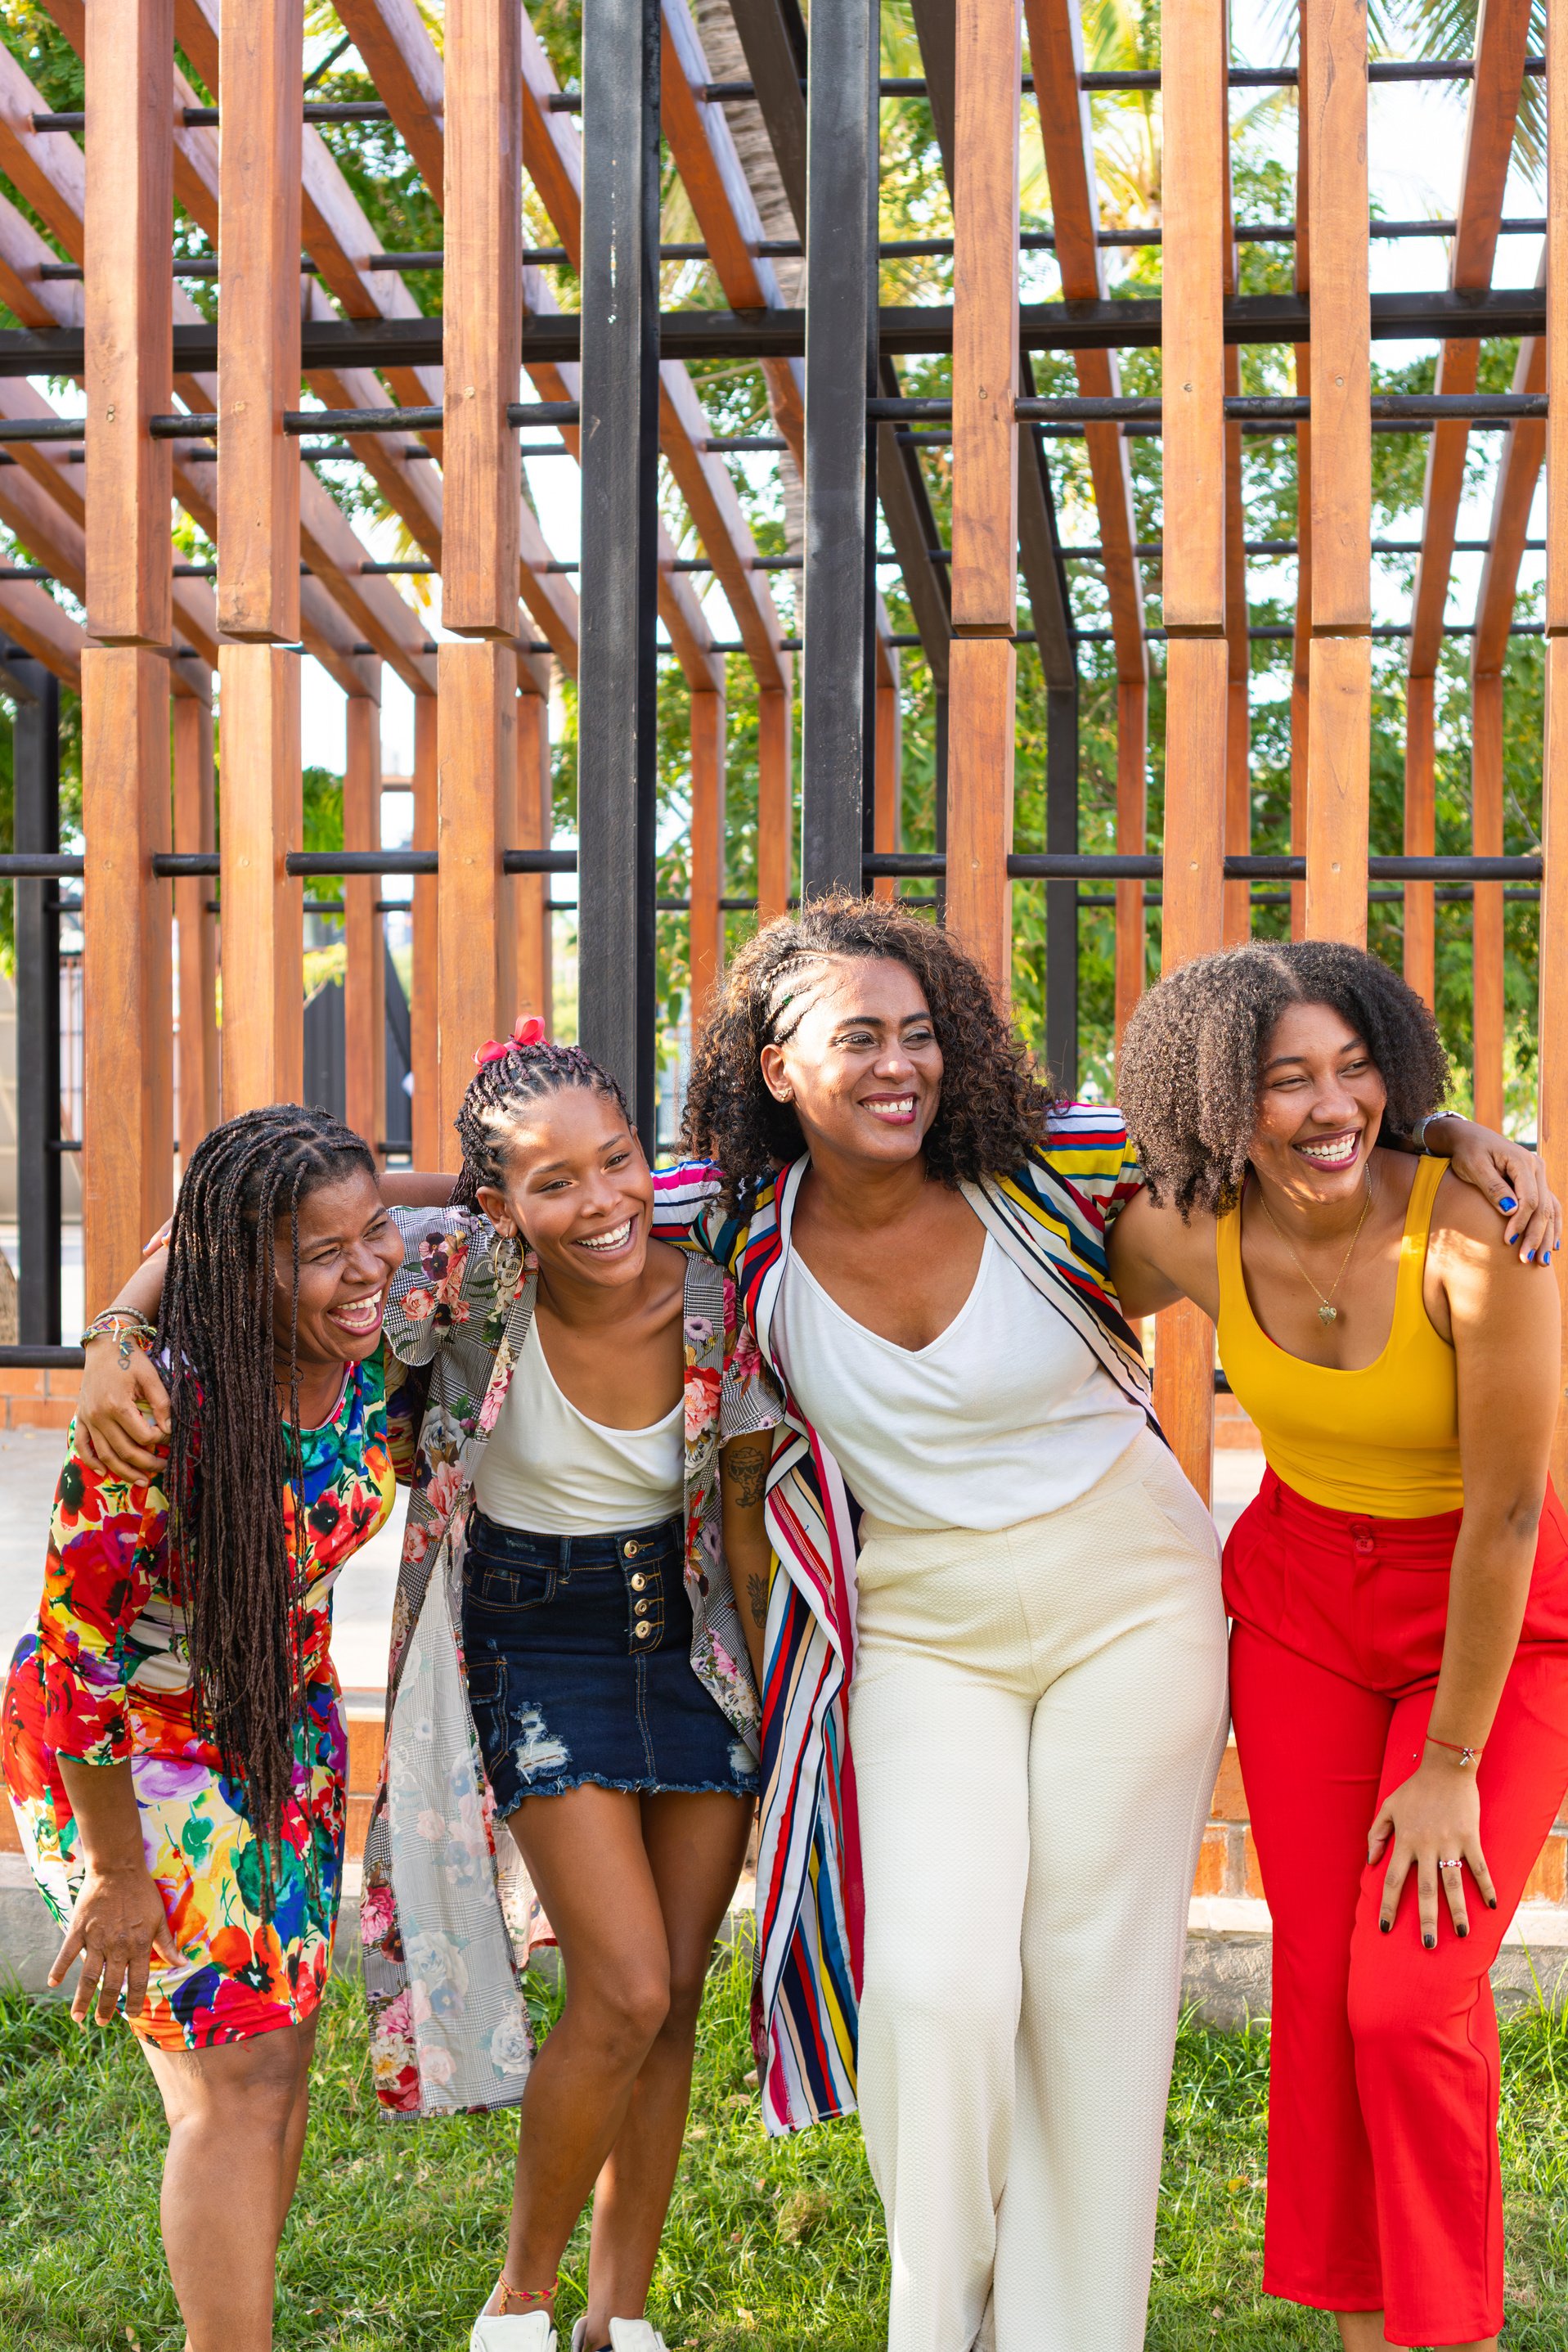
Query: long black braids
[[230, 1454], [523, 1069]]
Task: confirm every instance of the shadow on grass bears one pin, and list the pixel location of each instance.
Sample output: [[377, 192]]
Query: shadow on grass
[[397, 2230]]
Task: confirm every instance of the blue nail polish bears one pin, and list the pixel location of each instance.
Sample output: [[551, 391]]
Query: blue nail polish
[[1507, 1202], [1430, 1942], [1528, 1256]]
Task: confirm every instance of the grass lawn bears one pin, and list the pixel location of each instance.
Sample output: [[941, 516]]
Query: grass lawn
[[396, 2234]]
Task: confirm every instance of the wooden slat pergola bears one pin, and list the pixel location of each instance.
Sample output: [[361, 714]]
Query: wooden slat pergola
[[210, 419]]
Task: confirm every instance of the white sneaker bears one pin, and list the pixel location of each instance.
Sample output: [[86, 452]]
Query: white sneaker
[[635, 2336], [519, 2331]]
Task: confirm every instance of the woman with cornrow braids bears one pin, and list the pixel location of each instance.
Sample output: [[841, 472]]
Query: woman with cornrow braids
[[170, 1731], [575, 1650]]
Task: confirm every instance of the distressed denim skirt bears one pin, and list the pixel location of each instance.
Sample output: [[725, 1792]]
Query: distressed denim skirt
[[579, 1656]]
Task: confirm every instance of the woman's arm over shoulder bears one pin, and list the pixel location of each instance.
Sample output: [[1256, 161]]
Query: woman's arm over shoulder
[[1157, 1257], [1505, 1324], [683, 1196], [1087, 1146], [443, 1251]]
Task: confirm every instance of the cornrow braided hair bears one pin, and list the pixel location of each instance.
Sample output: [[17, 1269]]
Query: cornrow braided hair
[[230, 1452], [1188, 1074], [994, 1107], [510, 1078]]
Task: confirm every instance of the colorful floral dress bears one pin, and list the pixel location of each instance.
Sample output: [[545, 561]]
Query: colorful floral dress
[[101, 1679]]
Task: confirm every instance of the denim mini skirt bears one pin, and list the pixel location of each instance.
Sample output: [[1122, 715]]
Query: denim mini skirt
[[577, 1650]]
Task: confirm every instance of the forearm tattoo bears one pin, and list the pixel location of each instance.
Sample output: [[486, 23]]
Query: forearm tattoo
[[746, 1471], [757, 1594]]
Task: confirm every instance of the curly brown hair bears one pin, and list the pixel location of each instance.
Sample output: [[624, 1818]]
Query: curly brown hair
[[1188, 1072], [993, 1109]]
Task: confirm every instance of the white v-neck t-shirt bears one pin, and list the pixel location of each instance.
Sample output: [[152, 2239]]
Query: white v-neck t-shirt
[[1007, 1414], [547, 1468]]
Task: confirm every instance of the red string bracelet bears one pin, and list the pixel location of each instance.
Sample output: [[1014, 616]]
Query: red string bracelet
[[1465, 1755]]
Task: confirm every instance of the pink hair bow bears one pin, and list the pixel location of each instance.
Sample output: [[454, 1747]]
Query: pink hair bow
[[526, 1032]]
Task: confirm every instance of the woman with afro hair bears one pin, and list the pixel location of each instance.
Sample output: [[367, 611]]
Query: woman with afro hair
[[995, 1658], [1398, 1593]]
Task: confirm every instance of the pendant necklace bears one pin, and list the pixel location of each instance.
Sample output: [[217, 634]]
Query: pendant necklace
[[1327, 1311]]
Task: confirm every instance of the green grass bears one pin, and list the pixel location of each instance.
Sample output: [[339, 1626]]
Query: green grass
[[394, 2237]]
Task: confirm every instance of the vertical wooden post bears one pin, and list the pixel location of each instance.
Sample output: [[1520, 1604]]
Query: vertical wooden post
[[1486, 922], [707, 919], [1552, 1106], [775, 826], [128, 317], [1420, 833], [263, 917], [1301, 640], [422, 1015], [127, 1013], [477, 792], [1340, 688], [261, 45], [886, 814], [364, 951], [195, 829], [1197, 173], [983, 671], [483, 315], [1132, 832], [531, 892]]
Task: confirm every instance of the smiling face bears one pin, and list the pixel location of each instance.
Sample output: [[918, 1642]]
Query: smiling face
[[862, 1068], [348, 1252], [578, 1188], [1320, 1100]]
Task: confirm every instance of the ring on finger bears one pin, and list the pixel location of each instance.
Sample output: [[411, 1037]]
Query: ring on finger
[[1455, 1865]]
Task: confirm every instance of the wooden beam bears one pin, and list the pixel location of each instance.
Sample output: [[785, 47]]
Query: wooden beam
[[129, 290], [1132, 839], [128, 1163], [196, 831], [535, 991], [706, 887], [262, 935], [33, 621], [982, 666], [775, 799], [1340, 686], [482, 314], [1486, 922], [364, 950], [1420, 833], [1551, 1111], [422, 998], [477, 791], [258, 320], [401, 60]]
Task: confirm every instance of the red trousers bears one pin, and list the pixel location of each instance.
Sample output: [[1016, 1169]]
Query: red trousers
[[1384, 2185]]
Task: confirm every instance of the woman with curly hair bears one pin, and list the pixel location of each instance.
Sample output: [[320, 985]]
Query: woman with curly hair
[[171, 1733], [1398, 1593]]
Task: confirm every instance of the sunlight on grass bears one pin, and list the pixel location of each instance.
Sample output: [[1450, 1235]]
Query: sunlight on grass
[[778, 2244]]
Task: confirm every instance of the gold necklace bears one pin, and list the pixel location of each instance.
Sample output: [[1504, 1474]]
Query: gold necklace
[[1327, 1311]]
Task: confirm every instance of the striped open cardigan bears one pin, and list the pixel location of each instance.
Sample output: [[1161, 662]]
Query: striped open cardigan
[[1052, 1218]]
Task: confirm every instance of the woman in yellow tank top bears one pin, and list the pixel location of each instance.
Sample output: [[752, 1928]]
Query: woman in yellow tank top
[[1399, 1594]]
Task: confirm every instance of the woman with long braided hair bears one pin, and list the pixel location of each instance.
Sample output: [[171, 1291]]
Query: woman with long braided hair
[[588, 1487], [171, 1733]]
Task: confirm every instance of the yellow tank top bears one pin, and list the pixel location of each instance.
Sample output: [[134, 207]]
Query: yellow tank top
[[1383, 1441]]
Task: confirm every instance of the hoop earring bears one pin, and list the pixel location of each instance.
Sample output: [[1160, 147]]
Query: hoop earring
[[508, 1259]]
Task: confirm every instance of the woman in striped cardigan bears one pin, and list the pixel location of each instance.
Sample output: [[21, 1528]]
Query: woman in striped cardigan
[[994, 1696]]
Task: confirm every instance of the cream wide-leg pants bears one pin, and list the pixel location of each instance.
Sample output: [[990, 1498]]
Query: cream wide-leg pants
[[1037, 1717]]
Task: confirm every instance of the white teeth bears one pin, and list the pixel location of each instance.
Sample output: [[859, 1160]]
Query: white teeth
[[616, 1240], [362, 1316], [899, 1109], [1330, 1155]]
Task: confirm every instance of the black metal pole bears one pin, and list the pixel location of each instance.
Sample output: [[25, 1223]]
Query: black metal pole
[[941, 797], [36, 769], [617, 677], [1062, 898], [841, 114]]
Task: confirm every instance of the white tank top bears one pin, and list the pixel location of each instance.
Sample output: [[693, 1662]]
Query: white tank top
[[547, 1468], [1007, 1414]]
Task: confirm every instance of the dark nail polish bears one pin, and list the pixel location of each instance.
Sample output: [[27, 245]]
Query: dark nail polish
[[1491, 1902], [1386, 1925], [1430, 1942], [1461, 1931], [1507, 1202]]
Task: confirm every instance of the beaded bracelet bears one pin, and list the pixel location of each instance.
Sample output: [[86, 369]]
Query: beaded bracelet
[[131, 1330]]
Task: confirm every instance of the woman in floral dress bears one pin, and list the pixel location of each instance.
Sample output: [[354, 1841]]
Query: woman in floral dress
[[173, 1742]]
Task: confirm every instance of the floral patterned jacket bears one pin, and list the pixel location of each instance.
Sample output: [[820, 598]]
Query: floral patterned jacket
[[445, 1914]]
